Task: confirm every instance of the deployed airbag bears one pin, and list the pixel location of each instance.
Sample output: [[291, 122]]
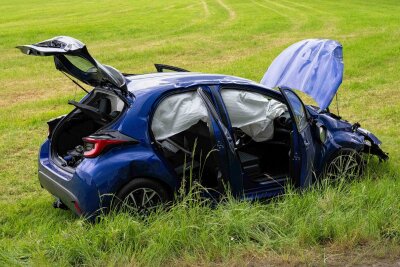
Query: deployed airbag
[[178, 113], [253, 113]]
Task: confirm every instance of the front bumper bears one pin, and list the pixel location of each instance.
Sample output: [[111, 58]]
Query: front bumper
[[79, 195], [372, 144]]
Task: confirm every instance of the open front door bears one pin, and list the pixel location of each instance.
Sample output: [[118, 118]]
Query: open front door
[[228, 162], [303, 152]]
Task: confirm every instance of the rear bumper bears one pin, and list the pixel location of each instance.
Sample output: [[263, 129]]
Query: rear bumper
[[79, 195], [49, 182]]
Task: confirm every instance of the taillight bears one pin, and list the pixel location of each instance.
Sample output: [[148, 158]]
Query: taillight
[[96, 143], [94, 146]]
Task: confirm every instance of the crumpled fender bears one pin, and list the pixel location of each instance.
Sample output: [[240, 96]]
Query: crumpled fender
[[371, 143]]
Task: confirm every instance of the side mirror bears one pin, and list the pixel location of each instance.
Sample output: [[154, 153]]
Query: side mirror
[[321, 132]]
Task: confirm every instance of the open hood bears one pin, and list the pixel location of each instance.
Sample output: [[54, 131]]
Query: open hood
[[313, 66], [71, 56]]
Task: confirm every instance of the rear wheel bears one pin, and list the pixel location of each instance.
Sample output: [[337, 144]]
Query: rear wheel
[[346, 164], [141, 196]]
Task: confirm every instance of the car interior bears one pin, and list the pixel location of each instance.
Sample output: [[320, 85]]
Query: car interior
[[261, 129], [264, 161], [193, 148], [181, 128], [97, 111]]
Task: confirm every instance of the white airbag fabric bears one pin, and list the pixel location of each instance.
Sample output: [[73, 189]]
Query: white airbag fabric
[[253, 113], [178, 113]]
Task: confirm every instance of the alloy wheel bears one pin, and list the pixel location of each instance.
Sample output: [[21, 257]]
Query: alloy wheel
[[344, 166], [141, 200]]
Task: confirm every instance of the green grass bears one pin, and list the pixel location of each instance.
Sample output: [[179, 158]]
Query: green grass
[[359, 219]]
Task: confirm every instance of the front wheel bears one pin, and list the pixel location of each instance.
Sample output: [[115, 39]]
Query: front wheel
[[346, 164], [141, 196]]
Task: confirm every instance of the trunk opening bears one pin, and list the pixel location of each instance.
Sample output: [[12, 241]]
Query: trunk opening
[[66, 142]]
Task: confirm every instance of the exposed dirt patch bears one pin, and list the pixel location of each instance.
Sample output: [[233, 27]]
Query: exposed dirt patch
[[327, 256]]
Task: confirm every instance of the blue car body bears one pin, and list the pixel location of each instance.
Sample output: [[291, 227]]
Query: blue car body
[[90, 186]]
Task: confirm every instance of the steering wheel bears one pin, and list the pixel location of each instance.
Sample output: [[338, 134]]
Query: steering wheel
[[90, 111]]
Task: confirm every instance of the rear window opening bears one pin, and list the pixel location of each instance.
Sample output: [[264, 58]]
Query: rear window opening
[[181, 129], [97, 112]]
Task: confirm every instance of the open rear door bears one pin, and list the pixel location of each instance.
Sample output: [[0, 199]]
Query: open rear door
[[71, 56], [303, 151]]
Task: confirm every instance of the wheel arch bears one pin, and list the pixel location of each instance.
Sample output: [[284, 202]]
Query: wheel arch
[[170, 189], [339, 141]]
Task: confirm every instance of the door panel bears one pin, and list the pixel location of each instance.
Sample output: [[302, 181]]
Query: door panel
[[304, 150], [228, 161]]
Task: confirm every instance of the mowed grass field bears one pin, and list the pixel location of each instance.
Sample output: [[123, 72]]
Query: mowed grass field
[[354, 222]]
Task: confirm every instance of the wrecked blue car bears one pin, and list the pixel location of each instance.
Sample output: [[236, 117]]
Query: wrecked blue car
[[134, 137]]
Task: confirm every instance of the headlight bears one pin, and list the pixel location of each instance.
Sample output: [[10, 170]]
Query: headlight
[[322, 134]]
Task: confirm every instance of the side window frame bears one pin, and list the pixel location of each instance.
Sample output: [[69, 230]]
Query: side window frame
[[160, 99], [252, 89], [303, 122]]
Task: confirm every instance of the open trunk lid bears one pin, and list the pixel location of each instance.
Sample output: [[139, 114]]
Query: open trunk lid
[[313, 66], [71, 56]]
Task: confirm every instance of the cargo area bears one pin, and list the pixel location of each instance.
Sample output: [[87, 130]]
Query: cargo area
[[98, 111]]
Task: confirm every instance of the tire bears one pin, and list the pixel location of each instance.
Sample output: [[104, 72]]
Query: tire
[[141, 196], [345, 164]]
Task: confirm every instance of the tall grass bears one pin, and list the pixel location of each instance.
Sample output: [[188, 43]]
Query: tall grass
[[345, 215]]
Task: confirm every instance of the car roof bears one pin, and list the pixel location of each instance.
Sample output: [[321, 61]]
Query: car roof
[[169, 80]]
